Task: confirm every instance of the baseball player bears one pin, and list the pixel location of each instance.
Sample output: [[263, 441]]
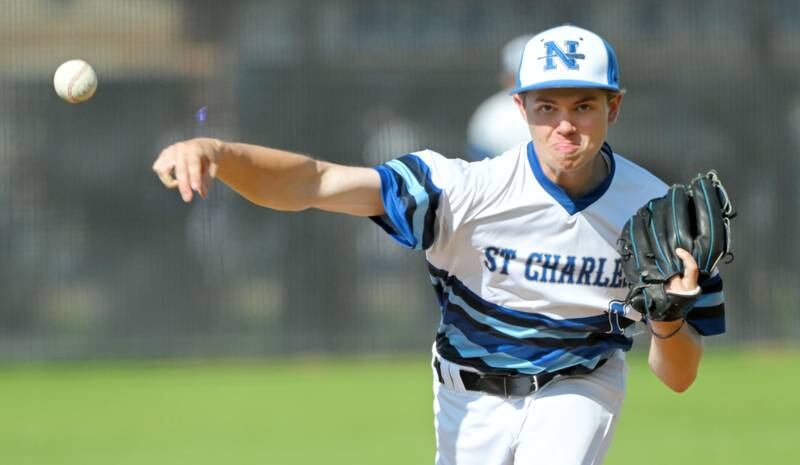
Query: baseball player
[[528, 363], [496, 126]]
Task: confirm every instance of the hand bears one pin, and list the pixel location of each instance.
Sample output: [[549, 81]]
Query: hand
[[682, 285], [190, 166], [685, 283]]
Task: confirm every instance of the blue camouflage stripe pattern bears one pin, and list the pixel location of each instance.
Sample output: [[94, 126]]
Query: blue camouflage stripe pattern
[[707, 315], [496, 339], [410, 199]]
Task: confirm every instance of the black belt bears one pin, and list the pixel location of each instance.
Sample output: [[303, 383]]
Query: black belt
[[512, 385]]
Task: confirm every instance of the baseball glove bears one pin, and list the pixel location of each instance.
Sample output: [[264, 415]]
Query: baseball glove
[[695, 217]]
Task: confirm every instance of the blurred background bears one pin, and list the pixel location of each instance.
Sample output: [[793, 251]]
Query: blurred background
[[100, 263]]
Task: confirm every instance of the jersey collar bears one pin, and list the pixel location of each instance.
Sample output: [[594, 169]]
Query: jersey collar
[[569, 204]]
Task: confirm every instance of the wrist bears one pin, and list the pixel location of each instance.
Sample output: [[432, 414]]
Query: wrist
[[222, 150], [665, 329]]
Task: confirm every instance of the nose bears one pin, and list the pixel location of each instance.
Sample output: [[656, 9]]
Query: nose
[[565, 127]]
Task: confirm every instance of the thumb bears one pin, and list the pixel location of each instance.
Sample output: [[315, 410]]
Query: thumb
[[688, 280]]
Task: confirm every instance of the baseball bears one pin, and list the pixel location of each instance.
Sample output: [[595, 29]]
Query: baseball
[[75, 81]]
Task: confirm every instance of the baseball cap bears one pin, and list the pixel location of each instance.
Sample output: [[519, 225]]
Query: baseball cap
[[567, 56]]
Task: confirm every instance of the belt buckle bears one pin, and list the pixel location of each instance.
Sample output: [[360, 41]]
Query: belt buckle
[[534, 386]]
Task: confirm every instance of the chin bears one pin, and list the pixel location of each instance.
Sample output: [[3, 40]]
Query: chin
[[570, 161]]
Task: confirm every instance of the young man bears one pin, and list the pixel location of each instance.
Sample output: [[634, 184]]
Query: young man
[[529, 356]]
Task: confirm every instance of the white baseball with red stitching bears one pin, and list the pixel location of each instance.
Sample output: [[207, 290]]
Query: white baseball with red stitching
[[75, 81]]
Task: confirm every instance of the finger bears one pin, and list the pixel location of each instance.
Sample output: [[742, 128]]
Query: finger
[[163, 167], [194, 166], [182, 175], [167, 179], [690, 270], [688, 261], [205, 179], [212, 170]]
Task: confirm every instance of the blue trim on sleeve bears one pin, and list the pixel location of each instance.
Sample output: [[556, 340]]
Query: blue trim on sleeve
[[422, 172], [712, 284], [394, 221], [417, 191], [710, 300], [410, 200], [571, 205], [707, 326], [707, 315]]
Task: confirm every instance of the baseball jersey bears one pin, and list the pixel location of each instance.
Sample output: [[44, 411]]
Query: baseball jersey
[[528, 279]]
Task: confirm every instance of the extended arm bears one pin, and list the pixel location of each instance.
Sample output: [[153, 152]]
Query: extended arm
[[268, 177]]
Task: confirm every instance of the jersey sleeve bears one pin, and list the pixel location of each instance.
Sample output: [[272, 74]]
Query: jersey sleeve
[[414, 189], [708, 314]]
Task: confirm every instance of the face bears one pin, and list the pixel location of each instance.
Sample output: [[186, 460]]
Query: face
[[568, 126]]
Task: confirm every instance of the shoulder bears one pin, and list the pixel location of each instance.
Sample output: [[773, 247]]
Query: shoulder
[[492, 171], [441, 170], [631, 187], [445, 171], [635, 181]]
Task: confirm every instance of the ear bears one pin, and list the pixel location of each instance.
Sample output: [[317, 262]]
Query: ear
[[519, 100], [613, 107]]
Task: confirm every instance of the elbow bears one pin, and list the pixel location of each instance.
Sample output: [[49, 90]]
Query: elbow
[[280, 206], [680, 386], [287, 199], [285, 206], [680, 382], [677, 377]]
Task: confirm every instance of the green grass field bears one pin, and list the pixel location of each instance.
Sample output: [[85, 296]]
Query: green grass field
[[743, 410]]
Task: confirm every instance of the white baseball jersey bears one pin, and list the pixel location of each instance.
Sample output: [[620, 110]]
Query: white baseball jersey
[[528, 279]]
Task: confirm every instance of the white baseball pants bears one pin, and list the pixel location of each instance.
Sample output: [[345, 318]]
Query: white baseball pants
[[568, 422]]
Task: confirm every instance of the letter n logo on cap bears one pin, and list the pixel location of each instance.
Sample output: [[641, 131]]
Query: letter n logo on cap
[[569, 58]]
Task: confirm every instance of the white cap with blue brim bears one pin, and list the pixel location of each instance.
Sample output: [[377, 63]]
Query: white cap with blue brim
[[567, 56]]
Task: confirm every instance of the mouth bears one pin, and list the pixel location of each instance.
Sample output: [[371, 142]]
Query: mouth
[[566, 147]]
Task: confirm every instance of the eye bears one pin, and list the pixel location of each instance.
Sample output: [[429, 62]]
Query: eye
[[545, 108], [583, 107]]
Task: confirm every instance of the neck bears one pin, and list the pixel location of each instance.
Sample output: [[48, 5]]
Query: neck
[[582, 181]]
